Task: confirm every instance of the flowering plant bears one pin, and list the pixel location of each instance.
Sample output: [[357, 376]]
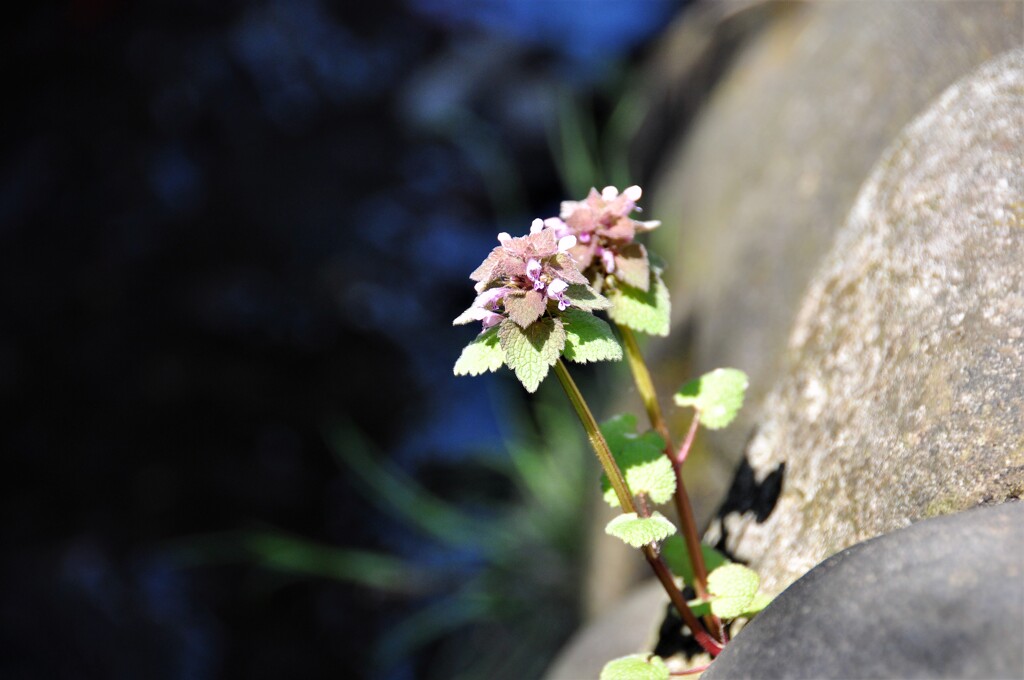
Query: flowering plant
[[536, 296]]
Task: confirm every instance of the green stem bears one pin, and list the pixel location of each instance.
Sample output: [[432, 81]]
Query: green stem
[[642, 378], [611, 468], [597, 441]]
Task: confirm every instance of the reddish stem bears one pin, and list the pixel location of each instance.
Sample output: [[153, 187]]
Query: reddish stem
[[684, 450]]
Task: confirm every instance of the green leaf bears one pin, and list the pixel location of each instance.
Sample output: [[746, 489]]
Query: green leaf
[[588, 338], [632, 267], [636, 667], [482, 354], [699, 607], [677, 557], [717, 396], [531, 351], [733, 587], [586, 298], [617, 430], [646, 468], [644, 311], [638, 531], [760, 601]]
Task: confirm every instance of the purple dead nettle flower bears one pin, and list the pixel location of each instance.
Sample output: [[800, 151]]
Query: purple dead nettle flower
[[521, 276], [604, 234]]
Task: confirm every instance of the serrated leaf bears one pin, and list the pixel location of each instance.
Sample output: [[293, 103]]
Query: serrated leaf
[[646, 468], [526, 307], [531, 351], [717, 396], [566, 269], [636, 667], [632, 267], [586, 298], [482, 354], [638, 531], [588, 338], [677, 557], [646, 312], [733, 587]]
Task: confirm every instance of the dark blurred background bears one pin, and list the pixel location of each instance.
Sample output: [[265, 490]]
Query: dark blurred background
[[233, 237]]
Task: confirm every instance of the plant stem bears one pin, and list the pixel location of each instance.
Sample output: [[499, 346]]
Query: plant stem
[[710, 645], [611, 468], [597, 441], [642, 378], [684, 450]]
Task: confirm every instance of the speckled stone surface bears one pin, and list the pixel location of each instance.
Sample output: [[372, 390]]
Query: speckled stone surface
[[903, 395], [943, 598], [753, 196]]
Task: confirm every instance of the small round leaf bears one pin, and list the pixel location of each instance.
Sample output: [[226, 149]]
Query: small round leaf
[[636, 667], [717, 396], [733, 587], [638, 531]]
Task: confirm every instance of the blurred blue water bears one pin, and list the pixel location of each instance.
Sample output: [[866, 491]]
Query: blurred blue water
[[591, 33]]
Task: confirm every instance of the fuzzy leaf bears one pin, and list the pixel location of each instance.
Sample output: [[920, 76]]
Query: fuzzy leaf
[[526, 307], [531, 351], [636, 667], [647, 312], [733, 587], [586, 298], [717, 396], [646, 468], [567, 270], [632, 267], [638, 531], [588, 338], [677, 557], [482, 354]]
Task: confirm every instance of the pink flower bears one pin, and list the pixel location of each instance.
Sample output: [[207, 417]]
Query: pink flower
[[605, 235], [521, 274]]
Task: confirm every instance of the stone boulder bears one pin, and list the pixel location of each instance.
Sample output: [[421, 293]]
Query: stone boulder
[[902, 395], [753, 195], [943, 598]]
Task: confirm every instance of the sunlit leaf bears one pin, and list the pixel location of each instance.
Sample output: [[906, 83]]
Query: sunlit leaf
[[717, 396], [481, 355], [732, 587], [636, 667], [638, 531], [531, 351]]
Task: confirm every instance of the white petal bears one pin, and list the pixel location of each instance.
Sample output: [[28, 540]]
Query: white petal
[[556, 288], [568, 208], [566, 242], [633, 193], [470, 315], [609, 193], [504, 237], [536, 226]]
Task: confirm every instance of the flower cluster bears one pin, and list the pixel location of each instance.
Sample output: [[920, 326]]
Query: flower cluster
[[535, 294], [522, 277], [605, 235]]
